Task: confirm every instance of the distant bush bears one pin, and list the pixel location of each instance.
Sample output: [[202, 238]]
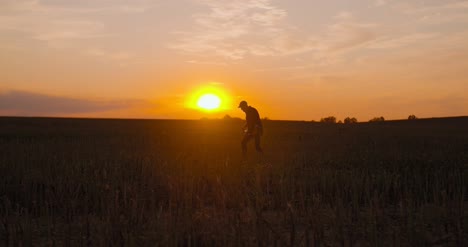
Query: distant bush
[[229, 118], [349, 120], [330, 119], [377, 119], [412, 117]]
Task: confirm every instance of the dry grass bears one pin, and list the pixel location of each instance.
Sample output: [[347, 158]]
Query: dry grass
[[170, 183]]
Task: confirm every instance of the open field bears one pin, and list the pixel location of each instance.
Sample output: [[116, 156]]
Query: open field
[[166, 182]]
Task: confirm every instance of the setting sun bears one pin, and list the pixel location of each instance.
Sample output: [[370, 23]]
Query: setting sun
[[210, 98], [209, 102]]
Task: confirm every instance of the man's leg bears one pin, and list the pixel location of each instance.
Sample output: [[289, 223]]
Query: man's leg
[[244, 142], [257, 143]]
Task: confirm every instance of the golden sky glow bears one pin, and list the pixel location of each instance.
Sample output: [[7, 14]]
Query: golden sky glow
[[297, 59]]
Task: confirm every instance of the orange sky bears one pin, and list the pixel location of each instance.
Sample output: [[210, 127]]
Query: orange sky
[[297, 59]]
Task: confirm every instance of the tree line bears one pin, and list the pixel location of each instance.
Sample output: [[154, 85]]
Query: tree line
[[329, 119], [351, 120]]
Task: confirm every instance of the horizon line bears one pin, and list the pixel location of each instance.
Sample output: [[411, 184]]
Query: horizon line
[[213, 119]]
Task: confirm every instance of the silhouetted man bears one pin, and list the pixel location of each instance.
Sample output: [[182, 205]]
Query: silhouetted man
[[253, 127]]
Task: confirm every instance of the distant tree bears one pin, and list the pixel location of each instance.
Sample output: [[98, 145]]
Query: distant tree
[[330, 119], [412, 117], [265, 118], [377, 119], [349, 120], [340, 122]]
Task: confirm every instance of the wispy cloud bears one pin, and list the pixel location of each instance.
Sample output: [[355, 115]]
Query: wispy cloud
[[380, 2], [86, 6], [112, 55], [434, 12], [207, 62], [347, 33], [47, 24], [57, 24], [434, 7], [37, 104], [396, 42], [237, 29]]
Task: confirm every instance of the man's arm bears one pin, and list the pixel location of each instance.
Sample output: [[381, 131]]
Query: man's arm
[[257, 119], [245, 126]]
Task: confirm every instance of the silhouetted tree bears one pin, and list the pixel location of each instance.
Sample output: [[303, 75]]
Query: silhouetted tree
[[349, 120], [340, 122], [265, 119], [377, 119], [330, 119], [412, 117]]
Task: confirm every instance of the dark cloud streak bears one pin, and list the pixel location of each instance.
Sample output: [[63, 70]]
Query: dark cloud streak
[[29, 103]]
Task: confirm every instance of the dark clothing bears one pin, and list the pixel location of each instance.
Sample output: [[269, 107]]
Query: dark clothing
[[254, 124], [254, 129], [247, 138]]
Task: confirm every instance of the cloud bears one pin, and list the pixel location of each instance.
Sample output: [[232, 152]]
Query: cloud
[[440, 6], [37, 104], [84, 6], [340, 38], [380, 2], [112, 55], [349, 34], [206, 63], [237, 29], [45, 24], [344, 15], [437, 12], [395, 42], [58, 23]]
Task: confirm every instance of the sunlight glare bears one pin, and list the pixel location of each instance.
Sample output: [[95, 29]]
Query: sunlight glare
[[211, 98], [209, 102]]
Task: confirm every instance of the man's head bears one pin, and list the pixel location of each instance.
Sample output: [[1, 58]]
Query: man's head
[[243, 105]]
